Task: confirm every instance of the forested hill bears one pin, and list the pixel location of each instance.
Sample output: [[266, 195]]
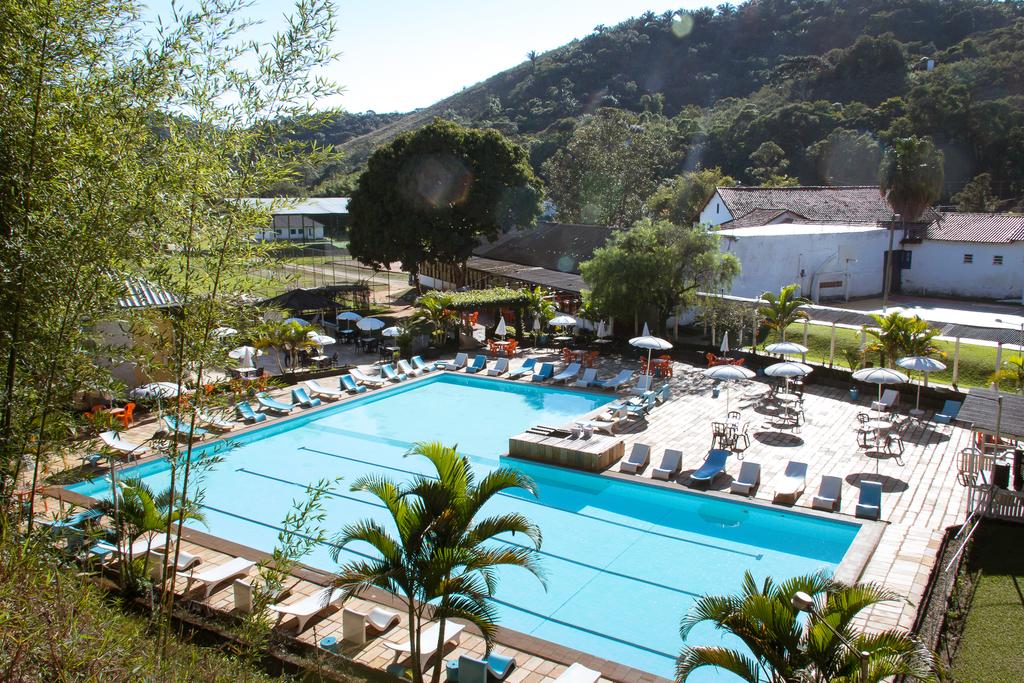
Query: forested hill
[[805, 75]]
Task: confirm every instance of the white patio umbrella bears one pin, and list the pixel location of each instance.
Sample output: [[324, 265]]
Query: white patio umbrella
[[501, 330], [880, 376], [297, 321], [921, 364], [650, 343], [370, 324], [155, 390], [562, 321], [221, 332], [728, 373], [724, 348], [321, 339], [788, 370], [391, 331], [349, 317], [242, 350], [786, 348]]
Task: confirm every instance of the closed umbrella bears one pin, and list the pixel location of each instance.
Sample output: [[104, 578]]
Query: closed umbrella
[[501, 330], [921, 364], [880, 376], [786, 348], [724, 348], [728, 373], [646, 332], [650, 343], [370, 324]]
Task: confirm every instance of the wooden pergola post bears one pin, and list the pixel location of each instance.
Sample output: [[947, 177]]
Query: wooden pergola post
[[956, 361]]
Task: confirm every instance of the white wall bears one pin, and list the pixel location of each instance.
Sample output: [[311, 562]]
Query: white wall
[[938, 269], [714, 212], [771, 261]]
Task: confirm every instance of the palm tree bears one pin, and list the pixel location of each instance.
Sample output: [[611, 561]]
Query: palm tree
[[434, 313], [443, 558], [1011, 374], [783, 309], [899, 335], [910, 177], [538, 306], [783, 647]]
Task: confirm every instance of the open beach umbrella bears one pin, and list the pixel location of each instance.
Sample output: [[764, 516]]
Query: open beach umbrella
[[155, 390], [880, 376], [650, 343], [786, 348], [921, 364], [501, 330], [370, 324], [221, 332], [562, 321], [728, 373], [243, 350], [297, 321], [392, 331], [724, 348]]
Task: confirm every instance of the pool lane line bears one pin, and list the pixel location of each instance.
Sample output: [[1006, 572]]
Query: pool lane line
[[332, 494], [534, 501]]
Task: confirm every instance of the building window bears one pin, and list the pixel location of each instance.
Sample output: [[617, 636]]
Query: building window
[[997, 260], [718, 207], [968, 258]]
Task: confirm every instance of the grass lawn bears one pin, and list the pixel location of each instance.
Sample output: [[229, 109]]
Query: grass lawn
[[992, 646], [976, 362]]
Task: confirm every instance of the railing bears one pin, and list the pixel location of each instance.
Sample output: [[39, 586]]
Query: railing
[[996, 503]]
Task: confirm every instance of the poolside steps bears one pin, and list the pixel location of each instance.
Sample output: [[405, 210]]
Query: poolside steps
[[559, 447]]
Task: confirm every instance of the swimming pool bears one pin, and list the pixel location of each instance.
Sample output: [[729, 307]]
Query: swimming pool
[[624, 560]]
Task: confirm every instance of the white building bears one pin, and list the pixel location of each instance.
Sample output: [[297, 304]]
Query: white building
[[970, 255], [301, 219], [829, 262], [742, 207]]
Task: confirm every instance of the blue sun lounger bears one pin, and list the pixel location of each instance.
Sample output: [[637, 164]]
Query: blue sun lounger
[[388, 371], [950, 409], [183, 430], [479, 363], [246, 412], [348, 384], [269, 403], [495, 666], [544, 374], [713, 465], [870, 504], [300, 397], [523, 370], [421, 365]]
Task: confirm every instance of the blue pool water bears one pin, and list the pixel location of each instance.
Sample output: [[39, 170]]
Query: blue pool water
[[624, 560]]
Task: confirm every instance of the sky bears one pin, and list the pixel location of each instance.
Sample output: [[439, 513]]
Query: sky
[[399, 55]]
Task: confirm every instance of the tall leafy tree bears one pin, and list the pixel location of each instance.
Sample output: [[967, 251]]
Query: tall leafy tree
[[608, 169], [655, 265], [910, 177], [681, 199], [845, 157], [784, 647], [444, 558], [781, 310], [977, 195], [767, 162], [433, 194], [896, 335]]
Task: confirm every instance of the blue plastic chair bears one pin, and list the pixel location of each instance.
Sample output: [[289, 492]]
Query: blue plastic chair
[[479, 363], [422, 365], [713, 465], [870, 504], [247, 413], [496, 666], [544, 374], [349, 385], [525, 369], [950, 409], [391, 373], [302, 398], [173, 425], [266, 401]]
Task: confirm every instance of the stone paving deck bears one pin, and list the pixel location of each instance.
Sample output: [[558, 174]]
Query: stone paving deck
[[921, 498]]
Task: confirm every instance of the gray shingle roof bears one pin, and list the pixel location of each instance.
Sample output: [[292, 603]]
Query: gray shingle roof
[[977, 227], [852, 204], [759, 217], [553, 246]]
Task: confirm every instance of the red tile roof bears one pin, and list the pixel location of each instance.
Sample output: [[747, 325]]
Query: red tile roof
[[977, 227], [851, 204]]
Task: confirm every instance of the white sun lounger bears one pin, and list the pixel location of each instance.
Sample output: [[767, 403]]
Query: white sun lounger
[[568, 373], [428, 639], [890, 397], [354, 623], [577, 673], [749, 479], [309, 607], [215, 421], [458, 363], [500, 368], [637, 460], [624, 377], [233, 568], [359, 377], [408, 370], [830, 494], [157, 563], [317, 389], [114, 441], [671, 465], [588, 378], [791, 484], [611, 422], [643, 385]]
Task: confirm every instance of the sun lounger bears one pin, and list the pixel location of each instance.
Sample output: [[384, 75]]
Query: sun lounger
[[158, 565], [714, 464], [612, 421], [247, 413], [624, 377], [421, 365], [494, 667], [568, 373], [355, 623], [792, 483], [308, 607], [317, 389], [890, 397], [408, 370], [830, 494], [348, 383], [749, 479], [500, 368], [577, 673], [587, 379], [113, 441], [360, 378], [178, 429], [637, 460], [300, 397], [232, 569], [265, 400], [671, 465], [642, 386], [457, 363], [870, 504], [544, 373], [950, 409], [215, 421], [428, 639], [525, 369], [665, 393], [389, 372], [479, 363]]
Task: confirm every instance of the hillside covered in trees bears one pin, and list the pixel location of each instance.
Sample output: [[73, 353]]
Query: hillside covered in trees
[[805, 91]]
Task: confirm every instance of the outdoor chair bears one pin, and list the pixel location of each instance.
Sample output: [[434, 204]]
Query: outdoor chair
[[544, 373], [714, 465], [265, 400], [428, 639], [246, 412], [890, 397], [493, 667], [749, 479], [300, 397], [421, 365], [950, 409], [637, 460], [354, 624], [870, 504], [523, 370], [317, 389], [389, 372], [500, 368], [577, 673], [570, 372], [479, 363], [792, 483], [830, 494], [406, 369], [211, 577], [308, 607], [587, 379], [670, 465]]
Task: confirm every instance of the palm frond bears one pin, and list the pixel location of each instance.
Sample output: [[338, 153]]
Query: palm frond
[[693, 658]]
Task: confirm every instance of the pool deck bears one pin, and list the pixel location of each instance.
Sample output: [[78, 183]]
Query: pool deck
[[921, 498]]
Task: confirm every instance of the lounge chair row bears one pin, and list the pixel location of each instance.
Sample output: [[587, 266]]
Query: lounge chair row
[[788, 488]]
